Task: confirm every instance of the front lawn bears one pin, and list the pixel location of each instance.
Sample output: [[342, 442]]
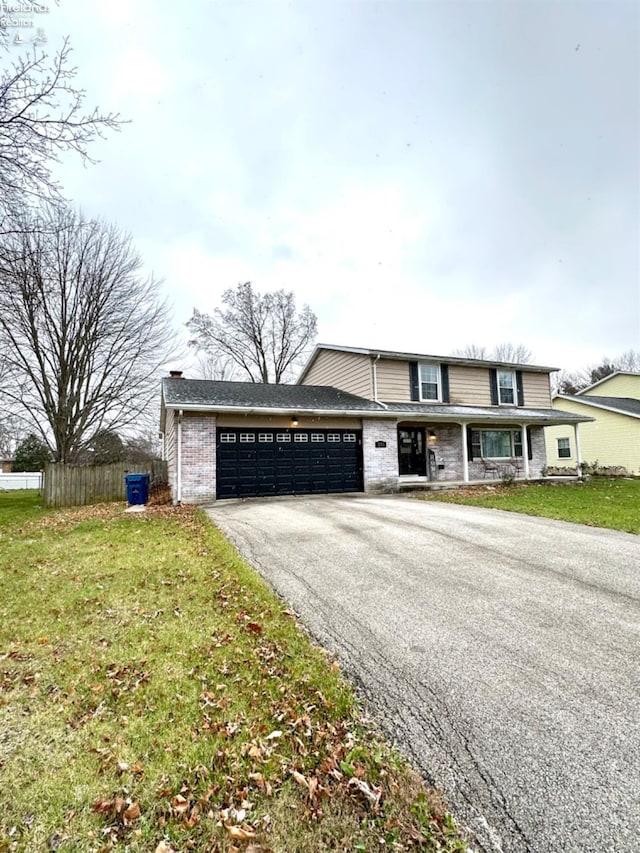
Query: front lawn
[[156, 696], [600, 502]]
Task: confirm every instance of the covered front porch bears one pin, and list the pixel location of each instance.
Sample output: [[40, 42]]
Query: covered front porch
[[433, 451], [429, 446]]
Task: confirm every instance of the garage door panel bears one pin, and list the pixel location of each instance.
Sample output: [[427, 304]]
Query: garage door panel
[[263, 462]]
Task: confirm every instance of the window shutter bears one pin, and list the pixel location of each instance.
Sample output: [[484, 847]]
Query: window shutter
[[444, 378], [493, 385], [520, 387], [529, 447], [414, 381], [469, 444]]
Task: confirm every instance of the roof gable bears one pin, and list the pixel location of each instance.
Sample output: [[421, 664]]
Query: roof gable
[[615, 380]]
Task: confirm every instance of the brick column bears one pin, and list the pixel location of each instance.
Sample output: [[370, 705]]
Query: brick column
[[380, 463], [198, 464]]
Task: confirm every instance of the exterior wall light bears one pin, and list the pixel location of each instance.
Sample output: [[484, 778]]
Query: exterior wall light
[[294, 421], [432, 438]]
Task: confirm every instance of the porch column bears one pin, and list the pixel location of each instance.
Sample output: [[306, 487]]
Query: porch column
[[576, 432], [525, 450], [465, 454]]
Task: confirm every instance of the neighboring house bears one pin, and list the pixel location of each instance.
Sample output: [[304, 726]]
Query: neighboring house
[[5, 466], [357, 420], [612, 438]]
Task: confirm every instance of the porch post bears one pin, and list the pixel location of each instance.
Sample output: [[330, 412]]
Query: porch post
[[465, 454], [525, 450], [576, 431]]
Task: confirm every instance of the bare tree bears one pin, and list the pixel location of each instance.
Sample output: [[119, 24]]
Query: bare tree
[[11, 434], [262, 334], [82, 332], [572, 382], [505, 352], [41, 117], [471, 351], [568, 382], [215, 365], [512, 353]]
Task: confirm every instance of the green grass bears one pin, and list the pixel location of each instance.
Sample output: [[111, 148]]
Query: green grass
[[600, 502], [155, 695]]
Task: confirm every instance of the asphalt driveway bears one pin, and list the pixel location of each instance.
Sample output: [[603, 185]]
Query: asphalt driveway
[[502, 652]]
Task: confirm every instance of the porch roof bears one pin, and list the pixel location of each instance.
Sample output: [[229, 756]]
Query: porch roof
[[484, 414]]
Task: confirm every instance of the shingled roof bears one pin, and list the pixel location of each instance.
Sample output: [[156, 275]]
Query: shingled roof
[[205, 393], [623, 405], [255, 397]]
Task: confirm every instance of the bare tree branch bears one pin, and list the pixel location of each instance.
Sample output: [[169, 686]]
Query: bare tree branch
[[81, 331], [262, 334], [506, 352], [42, 116]]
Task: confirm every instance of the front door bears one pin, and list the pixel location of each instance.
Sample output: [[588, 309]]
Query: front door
[[412, 451]]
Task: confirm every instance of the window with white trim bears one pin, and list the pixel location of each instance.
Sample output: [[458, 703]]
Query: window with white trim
[[265, 437], [283, 436], [564, 448], [247, 437], [333, 436], [227, 437], [496, 443], [300, 437], [317, 436], [506, 387], [429, 382], [349, 437]]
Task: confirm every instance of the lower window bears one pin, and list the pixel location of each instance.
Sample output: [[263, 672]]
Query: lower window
[[564, 448], [496, 443]]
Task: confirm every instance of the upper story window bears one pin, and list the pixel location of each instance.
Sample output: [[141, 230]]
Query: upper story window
[[430, 382], [506, 387]]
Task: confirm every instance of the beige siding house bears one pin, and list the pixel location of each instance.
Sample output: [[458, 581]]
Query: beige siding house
[[612, 438], [358, 420], [456, 419]]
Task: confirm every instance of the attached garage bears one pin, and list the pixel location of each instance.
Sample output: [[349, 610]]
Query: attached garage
[[263, 462], [246, 439]]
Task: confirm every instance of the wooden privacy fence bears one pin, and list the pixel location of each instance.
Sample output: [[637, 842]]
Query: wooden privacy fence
[[78, 485]]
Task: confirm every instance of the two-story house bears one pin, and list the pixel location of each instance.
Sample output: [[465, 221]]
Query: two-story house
[[612, 438], [358, 420]]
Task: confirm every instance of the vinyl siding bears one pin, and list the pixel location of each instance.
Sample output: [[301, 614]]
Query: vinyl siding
[[275, 422], [537, 391], [393, 381], [170, 448], [613, 439], [469, 385], [617, 386], [348, 371]]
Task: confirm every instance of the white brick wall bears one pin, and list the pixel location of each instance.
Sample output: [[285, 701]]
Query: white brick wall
[[198, 459], [380, 463]]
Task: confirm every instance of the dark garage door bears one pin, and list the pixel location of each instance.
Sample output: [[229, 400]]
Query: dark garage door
[[256, 462]]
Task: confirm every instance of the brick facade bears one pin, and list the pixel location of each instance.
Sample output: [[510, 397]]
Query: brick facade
[[380, 463], [198, 462]]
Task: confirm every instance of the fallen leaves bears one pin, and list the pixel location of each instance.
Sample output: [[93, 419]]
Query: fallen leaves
[[122, 810]]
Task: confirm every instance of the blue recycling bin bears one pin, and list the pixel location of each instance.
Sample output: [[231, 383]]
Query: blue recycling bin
[[137, 488]]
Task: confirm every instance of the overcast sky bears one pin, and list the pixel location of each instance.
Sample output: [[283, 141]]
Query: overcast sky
[[423, 174]]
